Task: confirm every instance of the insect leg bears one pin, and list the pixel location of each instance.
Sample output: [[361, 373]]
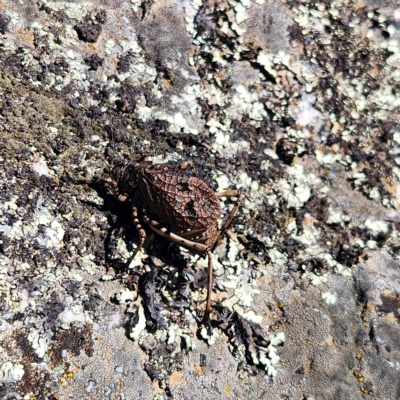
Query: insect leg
[[115, 189], [196, 235], [111, 182], [228, 193], [186, 164], [174, 238], [141, 233], [193, 246], [225, 226], [209, 286]]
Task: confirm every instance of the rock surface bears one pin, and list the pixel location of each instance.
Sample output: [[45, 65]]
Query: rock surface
[[294, 101]]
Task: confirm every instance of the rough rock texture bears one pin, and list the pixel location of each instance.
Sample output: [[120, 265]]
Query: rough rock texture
[[294, 101]]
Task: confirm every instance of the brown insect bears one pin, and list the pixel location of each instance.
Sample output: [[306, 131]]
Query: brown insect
[[186, 208]]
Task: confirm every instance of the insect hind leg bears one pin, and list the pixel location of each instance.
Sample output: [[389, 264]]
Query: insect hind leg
[[225, 226], [193, 246], [209, 286]]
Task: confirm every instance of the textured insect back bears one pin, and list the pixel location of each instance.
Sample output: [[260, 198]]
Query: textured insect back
[[182, 201]]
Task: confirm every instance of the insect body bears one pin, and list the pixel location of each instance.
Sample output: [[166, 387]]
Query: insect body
[[174, 204]]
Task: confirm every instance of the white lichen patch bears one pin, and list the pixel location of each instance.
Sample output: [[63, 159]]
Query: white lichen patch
[[297, 191], [272, 61], [330, 298], [176, 334], [305, 114], [316, 279], [326, 157], [140, 325], [359, 178], [277, 257], [40, 167], [39, 344], [310, 238], [55, 233], [73, 314], [11, 373], [245, 294], [245, 101], [50, 236], [211, 337], [337, 217], [227, 147], [135, 4], [177, 122], [125, 295], [249, 315], [269, 357], [377, 227]]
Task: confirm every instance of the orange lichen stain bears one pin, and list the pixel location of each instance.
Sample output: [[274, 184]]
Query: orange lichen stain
[[308, 221], [228, 389], [358, 376], [91, 48], [371, 308], [26, 37], [175, 378], [365, 391], [393, 188], [198, 370], [2, 5], [363, 257], [305, 369], [329, 342], [390, 318]]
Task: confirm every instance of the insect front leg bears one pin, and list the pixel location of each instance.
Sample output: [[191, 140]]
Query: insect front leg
[[141, 233], [225, 226], [111, 182]]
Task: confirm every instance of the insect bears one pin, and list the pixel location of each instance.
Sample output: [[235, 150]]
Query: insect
[[175, 204]]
